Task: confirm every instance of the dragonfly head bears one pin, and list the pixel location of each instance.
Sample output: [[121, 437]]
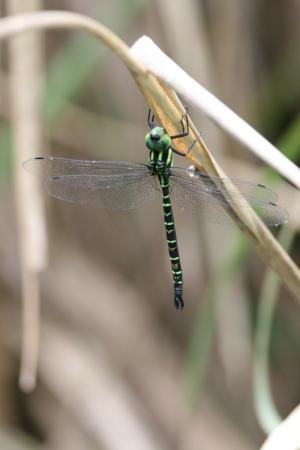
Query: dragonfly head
[[158, 139], [157, 133]]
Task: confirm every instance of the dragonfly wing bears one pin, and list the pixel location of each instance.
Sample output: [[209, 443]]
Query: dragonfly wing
[[204, 205], [108, 191], [204, 194], [47, 166], [105, 184]]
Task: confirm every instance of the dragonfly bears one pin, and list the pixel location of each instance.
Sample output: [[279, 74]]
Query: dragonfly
[[123, 185]]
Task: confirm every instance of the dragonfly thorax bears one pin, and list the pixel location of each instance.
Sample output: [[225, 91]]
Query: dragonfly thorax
[[158, 140]]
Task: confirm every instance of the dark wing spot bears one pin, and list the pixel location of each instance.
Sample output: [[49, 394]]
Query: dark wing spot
[[273, 204], [39, 157], [262, 186], [55, 178]]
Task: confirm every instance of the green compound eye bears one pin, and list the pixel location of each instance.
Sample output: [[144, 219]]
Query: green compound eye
[[155, 136]]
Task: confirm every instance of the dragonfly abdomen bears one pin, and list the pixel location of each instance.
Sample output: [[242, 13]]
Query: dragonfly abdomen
[[172, 242]]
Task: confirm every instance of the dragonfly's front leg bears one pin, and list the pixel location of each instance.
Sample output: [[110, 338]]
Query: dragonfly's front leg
[[184, 154], [185, 130], [151, 122]]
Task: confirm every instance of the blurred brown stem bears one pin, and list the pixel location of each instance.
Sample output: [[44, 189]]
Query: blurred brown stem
[[26, 68]]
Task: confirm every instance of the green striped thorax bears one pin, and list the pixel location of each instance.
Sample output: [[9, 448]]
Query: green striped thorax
[[159, 144]]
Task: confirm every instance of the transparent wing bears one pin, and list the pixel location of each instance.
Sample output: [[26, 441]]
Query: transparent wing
[[104, 184], [51, 166], [109, 191], [204, 194]]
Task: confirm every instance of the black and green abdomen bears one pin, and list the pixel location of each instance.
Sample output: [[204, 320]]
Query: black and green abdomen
[[172, 242]]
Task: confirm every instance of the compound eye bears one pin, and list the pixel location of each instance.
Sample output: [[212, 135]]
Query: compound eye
[[155, 137]]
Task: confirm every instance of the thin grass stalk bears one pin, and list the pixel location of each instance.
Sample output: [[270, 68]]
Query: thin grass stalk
[[26, 67], [266, 411]]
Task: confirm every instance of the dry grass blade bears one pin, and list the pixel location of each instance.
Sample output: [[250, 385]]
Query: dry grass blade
[[25, 65], [168, 112]]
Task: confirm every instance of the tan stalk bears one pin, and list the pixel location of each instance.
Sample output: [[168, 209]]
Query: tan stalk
[[25, 70]]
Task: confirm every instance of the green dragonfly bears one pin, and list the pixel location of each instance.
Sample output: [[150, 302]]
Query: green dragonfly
[[126, 185]]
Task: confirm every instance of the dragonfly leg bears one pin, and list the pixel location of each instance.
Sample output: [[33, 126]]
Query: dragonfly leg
[[191, 146], [151, 122], [184, 154], [185, 129], [177, 152]]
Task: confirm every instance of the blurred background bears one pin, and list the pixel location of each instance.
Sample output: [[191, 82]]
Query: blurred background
[[119, 367]]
